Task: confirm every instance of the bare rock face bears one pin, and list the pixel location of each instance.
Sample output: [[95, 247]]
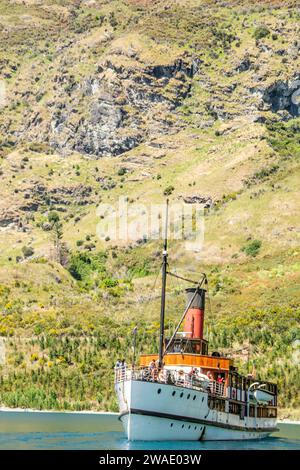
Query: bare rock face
[[205, 201], [61, 195], [116, 109], [283, 96], [9, 218]]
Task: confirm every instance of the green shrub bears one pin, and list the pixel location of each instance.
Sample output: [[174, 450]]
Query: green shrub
[[82, 265], [262, 175], [79, 266], [27, 251], [261, 32], [109, 282], [168, 190], [122, 171], [252, 248], [284, 137], [265, 172], [53, 217]]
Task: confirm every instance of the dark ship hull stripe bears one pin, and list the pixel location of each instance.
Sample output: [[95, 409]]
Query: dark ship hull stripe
[[195, 420]]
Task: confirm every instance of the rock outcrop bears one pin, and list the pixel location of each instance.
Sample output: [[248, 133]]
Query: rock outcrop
[[205, 201], [281, 96], [113, 111], [284, 96]]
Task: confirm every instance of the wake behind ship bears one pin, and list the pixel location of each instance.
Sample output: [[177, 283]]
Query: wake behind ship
[[185, 393]]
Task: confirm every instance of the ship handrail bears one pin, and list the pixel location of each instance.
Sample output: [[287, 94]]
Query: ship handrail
[[169, 377]]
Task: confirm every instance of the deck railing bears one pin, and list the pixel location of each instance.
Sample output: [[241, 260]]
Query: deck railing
[[170, 377]]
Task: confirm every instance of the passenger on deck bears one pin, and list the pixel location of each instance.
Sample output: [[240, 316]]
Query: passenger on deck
[[180, 377], [153, 370], [210, 375], [161, 376], [193, 372]]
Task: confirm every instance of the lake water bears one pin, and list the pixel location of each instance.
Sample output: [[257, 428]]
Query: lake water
[[47, 430]]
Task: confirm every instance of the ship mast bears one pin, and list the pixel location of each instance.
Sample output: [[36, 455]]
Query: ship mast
[[163, 290]]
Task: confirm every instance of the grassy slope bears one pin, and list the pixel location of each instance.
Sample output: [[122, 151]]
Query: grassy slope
[[44, 299]]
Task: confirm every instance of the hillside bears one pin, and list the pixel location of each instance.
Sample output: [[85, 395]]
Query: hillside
[[99, 100]]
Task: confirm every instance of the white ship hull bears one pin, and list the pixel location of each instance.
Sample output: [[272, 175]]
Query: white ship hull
[[156, 412]]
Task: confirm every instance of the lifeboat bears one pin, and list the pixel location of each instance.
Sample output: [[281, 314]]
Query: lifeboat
[[262, 396]]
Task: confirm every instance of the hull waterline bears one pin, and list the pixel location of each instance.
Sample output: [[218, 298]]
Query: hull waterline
[[152, 428]]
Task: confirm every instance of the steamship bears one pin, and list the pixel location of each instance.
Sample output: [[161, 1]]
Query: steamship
[[185, 393]]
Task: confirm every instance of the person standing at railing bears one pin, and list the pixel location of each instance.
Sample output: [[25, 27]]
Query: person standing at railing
[[219, 385], [193, 372], [210, 375], [191, 376], [161, 376], [153, 370]]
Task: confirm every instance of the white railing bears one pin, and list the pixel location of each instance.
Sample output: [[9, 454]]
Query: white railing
[[171, 377], [216, 388]]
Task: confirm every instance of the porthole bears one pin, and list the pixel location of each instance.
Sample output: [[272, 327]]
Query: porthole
[[173, 393], [181, 395], [189, 426], [159, 390], [182, 426], [171, 425], [195, 428], [202, 398], [194, 397], [188, 396]]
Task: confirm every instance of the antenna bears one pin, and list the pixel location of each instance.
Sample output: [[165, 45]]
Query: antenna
[[163, 289]]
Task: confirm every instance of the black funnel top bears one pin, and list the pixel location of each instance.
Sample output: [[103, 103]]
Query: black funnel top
[[199, 300]]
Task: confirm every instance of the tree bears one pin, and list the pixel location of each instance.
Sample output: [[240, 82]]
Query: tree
[[60, 248]]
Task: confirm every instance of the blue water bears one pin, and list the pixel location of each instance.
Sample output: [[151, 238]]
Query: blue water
[[41, 430]]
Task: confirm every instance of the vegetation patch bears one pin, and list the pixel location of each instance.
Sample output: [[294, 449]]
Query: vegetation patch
[[252, 248], [261, 32]]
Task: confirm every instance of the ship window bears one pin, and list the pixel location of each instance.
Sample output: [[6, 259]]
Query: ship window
[[188, 396], [159, 390], [173, 393], [189, 426], [195, 428], [202, 398], [181, 395], [171, 425], [194, 397], [182, 426]]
